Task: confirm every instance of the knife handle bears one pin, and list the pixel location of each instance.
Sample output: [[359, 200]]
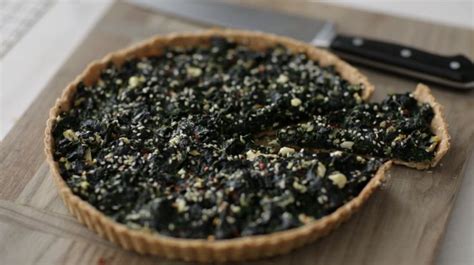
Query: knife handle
[[457, 71]]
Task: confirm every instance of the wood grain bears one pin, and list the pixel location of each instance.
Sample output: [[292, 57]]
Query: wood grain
[[402, 224]]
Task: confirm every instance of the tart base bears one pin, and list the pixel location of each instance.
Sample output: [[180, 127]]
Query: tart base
[[201, 250]]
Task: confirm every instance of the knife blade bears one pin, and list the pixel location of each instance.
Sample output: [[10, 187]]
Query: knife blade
[[452, 71]]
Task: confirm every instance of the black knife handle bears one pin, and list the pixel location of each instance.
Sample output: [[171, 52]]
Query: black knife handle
[[405, 60]]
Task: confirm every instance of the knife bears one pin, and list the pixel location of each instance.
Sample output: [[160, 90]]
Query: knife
[[453, 71]]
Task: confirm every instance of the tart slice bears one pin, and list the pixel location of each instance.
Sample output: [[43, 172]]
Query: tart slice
[[158, 148], [408, 128]]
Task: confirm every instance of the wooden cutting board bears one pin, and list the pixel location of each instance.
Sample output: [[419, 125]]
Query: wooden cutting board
[[402, 224]]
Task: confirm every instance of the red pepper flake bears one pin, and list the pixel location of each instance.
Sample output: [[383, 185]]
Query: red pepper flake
[[196, 136], [144, 151], [102, 261]]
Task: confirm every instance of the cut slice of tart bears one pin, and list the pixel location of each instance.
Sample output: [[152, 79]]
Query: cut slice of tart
[[407, 128], [439, 128], [157, 147]]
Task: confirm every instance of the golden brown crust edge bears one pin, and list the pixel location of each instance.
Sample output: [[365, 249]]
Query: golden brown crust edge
[[439, 126], [243, 248]]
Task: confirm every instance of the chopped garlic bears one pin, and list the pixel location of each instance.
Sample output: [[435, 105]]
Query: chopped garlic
[[182, 172], [135, 81], [321, 170], [70, 135], [194, 152], [199, 183], [286, 151], [347, 144], [84, 184], [180, 205], [235, 208], [251, 154], [175, 140], [307, 127], [194, 71], [301, 188], [282, 79], [88, 155], [434, 140], [295, 102], [305, 218], [357, 98], [338, 179]]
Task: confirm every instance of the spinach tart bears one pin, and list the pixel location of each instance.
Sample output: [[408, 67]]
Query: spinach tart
[[229, 145]]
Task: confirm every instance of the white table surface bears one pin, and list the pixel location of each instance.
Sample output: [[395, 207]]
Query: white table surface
[[457, 247]]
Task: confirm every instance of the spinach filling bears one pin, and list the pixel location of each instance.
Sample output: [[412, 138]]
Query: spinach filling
[[398, 128], [170, 143]]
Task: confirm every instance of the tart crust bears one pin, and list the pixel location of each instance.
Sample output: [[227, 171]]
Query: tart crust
[[238, 249]]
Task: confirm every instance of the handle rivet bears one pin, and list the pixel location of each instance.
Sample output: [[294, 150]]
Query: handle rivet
[[357, 41], [454, 65], [405, 53]]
